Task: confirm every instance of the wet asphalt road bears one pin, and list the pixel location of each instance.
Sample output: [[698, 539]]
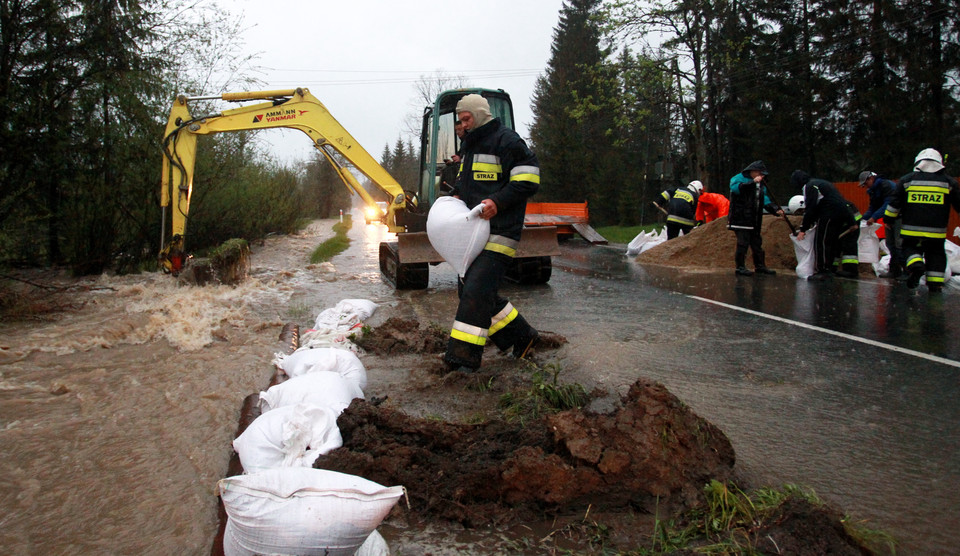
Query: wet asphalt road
[[848, 387]]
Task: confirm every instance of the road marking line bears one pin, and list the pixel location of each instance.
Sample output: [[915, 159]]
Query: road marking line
[[874, 343]]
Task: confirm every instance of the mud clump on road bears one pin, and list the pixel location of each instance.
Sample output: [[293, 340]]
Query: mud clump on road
[[712, 246], [398, 336], [651, 452]]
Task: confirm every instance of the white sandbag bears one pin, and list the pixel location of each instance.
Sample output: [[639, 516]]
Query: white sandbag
[[883, 246], [345, 315], [322, 388], [654, 240], [375, 545], [289, 436], [331, 338], [882, 267], [953, 256], [806, 259], [634, 247], [456, 232], [303, 511], [868, 244], [335, 360]]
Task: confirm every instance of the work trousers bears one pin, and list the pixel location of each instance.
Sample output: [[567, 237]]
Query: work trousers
[[752, 240], [483, 314], [894, 245], [927, 252], [849, 253], [826, 245], [674, 229]]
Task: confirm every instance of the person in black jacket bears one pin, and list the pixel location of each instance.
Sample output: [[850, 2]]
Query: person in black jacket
[[826, 208], [922, 202], [748, 200], [681, 206], [499, 172]]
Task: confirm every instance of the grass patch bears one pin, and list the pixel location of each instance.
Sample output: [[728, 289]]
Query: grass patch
[[728, 522], [335, 245], [624, 234], [546, 395]]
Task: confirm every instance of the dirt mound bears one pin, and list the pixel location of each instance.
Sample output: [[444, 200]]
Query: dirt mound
[[712, 246], [653, 450]]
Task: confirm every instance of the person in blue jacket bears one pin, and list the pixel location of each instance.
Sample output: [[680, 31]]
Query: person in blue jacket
[[880, 191], [748, 200]]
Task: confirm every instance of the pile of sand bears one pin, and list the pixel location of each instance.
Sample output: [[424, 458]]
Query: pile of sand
[[712, 245]]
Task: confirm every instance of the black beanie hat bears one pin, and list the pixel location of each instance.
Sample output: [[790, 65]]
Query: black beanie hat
[[799, 178]]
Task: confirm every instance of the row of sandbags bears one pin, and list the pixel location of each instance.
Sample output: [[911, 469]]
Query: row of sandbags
[[281, 504]]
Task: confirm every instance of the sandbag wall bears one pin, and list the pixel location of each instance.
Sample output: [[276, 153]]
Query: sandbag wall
[[273, 501]]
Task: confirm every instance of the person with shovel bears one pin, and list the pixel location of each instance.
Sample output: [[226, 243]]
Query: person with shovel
[[748, 200], [680, 204]]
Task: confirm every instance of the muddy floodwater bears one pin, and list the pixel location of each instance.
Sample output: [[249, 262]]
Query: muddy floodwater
[[116, 418]]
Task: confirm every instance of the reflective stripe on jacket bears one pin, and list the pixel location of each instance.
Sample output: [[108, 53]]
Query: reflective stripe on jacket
[[922, 202], [497, 164], [681, 205]]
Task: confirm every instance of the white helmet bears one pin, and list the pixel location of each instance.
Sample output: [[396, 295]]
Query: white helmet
[[696, 186], [929, 160], [795, 206]]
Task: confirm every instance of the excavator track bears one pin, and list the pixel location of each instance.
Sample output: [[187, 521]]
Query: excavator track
[[403, 276]]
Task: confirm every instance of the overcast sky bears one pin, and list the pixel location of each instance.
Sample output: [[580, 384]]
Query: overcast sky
[[362, 58]]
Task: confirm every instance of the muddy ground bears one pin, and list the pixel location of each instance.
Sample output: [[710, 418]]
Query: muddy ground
[[488, 477]]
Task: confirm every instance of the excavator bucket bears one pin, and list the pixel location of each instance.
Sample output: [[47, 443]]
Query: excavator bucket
[[538, 241]]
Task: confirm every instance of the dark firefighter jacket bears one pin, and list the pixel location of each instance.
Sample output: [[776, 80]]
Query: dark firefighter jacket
[[922, 200], [681, 205], [822, 200], [496, 164], [747, 203]]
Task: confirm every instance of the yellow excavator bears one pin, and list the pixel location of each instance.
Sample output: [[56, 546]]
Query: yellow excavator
[[404, 262]]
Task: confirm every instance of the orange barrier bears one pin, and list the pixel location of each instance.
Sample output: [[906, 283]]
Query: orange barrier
[[569, 219]]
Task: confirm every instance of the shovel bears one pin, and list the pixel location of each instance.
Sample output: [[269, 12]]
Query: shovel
[[793, 230]]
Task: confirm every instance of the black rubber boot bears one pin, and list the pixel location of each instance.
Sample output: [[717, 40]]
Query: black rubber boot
[[525, 344], [463, 356], [916, 270]]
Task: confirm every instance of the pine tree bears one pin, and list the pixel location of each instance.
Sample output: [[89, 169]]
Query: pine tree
[[570, 134]]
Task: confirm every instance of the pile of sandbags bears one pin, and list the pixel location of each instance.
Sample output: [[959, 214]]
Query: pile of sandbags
[[281, 504], [646, 240]]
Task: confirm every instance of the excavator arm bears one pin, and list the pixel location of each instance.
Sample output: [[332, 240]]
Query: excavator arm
[[293, 109]]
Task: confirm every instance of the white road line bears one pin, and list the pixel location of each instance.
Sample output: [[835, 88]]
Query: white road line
[[875, 343]]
